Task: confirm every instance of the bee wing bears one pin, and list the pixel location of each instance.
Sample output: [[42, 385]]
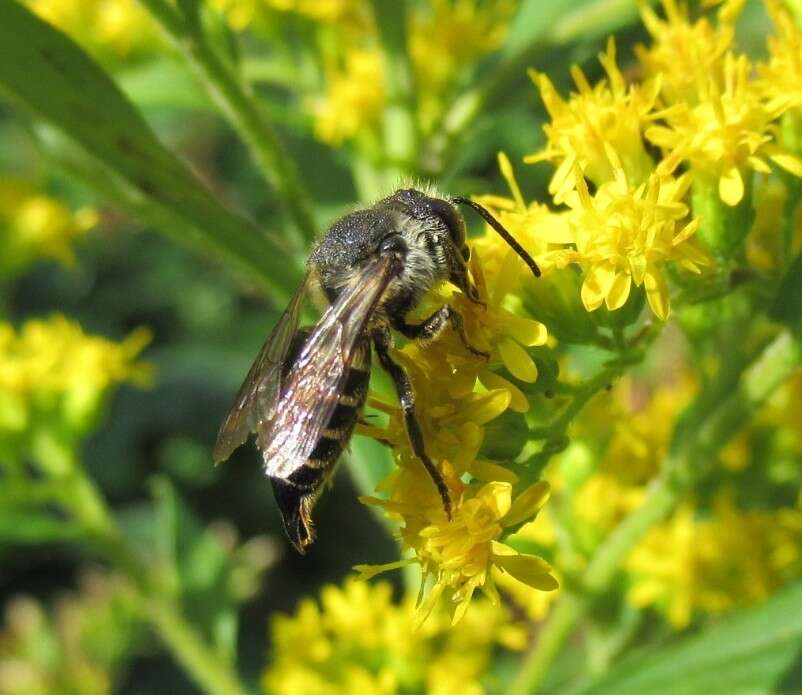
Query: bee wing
[[311, 390], [255, 402]]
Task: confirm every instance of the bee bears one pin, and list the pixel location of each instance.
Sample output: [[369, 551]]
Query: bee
[[307, 387]]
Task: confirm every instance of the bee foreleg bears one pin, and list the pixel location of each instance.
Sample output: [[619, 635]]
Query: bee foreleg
[[406, 397], [432, 326]]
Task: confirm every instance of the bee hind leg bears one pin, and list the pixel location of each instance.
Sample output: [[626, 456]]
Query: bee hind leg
[[406, 397]]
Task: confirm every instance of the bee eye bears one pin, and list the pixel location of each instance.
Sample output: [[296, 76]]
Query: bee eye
[[452, 220]]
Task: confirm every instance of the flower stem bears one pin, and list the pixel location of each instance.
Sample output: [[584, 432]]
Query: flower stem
[[238, 103], [201, 662], [681, 470], [205, 666]]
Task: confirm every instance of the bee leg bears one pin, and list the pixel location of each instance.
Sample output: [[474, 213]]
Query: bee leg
[[406, 397], [432, 326]]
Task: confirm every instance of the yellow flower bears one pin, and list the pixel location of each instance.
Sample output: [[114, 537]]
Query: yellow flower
[[451, 418], [33, 225], [542, 232], [685, 55], [358, 640], [121, 25], [715, 565], [354, 97], [461, 552], [583, 129], [780, 78], [54, 376], [729, 131], [625, 234]]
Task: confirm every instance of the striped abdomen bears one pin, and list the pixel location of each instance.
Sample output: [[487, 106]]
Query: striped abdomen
[[296, 494]]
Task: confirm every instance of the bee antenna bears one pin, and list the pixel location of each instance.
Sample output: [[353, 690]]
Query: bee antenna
[[495, 224]]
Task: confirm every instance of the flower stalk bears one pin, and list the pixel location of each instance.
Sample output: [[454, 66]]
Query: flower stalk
[[202, 663]]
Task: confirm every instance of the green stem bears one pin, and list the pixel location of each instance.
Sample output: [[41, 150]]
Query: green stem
[[206, 668], [202, 663], [681, 470], [238, 103]]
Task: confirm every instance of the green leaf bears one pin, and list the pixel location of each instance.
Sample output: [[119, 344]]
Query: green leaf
[[753, 652], [63, 85]]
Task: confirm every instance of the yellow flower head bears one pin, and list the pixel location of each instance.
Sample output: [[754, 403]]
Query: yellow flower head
[[729, 131], [34, 225], [461, 552], [542, 232], [123, 26], [714, 565], [354, 97], [685, 55], [624, 235], [358, 640], [610, 114], [54, 375], [780, 79]]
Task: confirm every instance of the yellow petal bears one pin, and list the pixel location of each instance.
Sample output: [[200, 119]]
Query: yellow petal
[[517, 360], [487, 471], [619, 292], [498, 496], [526, 331], [788, 162], [598, 281], [505, 166], [657, 293], [527, 504], [487, 406], [531, 570], [731, 186], [491, 380], [369, 571]]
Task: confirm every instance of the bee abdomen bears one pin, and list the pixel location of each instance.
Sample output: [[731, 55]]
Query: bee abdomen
[[296, 493]]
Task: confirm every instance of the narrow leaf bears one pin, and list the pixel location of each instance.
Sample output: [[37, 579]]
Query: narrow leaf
[[63, 85]]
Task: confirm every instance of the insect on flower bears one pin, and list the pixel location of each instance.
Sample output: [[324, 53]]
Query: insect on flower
[[307, 387]]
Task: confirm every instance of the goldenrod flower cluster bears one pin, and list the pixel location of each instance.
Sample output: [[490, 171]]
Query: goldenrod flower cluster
[[54, 379], [622, 219], [458, 392], [445, 37], [356, 639], [34, 225], [718, 562]]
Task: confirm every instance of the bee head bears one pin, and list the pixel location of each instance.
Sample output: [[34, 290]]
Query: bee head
[[433, 212]]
